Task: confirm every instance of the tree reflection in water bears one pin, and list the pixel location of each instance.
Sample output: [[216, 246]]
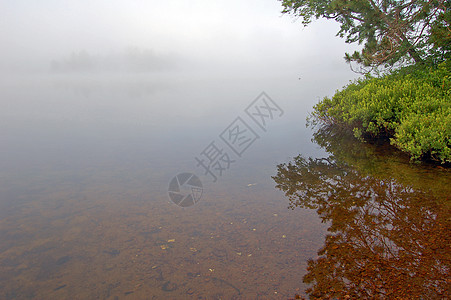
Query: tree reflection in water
[[387, 240]]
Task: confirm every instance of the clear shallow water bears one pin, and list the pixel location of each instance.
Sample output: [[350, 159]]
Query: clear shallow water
[[86, 164], [84, 206]]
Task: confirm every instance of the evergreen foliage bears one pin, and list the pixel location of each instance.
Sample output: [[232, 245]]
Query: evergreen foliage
[[393, 33]]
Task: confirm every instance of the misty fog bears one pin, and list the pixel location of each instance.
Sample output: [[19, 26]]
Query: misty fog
[[107, 83]]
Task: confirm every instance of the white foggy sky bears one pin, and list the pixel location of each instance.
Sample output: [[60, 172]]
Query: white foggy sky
[[220, 51], [223, 54], [219, 31]]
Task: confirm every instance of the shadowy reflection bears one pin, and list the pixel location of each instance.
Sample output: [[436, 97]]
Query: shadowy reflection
[[388, 239]]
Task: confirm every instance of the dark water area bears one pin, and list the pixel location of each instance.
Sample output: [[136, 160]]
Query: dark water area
[[389, 221], [85, 211]]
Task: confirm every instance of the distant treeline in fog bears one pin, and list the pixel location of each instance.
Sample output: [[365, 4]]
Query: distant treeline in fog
[[129, 60]]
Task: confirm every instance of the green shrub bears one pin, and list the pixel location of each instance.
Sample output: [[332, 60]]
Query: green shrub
[[411, 106]]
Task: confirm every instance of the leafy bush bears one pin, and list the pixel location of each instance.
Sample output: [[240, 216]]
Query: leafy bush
[[411, 106]]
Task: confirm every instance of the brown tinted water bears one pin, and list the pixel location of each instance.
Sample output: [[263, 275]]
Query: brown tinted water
[[108, 242], [390, 225], [85, 213]]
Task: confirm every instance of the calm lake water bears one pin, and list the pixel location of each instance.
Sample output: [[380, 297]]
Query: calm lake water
[[85, 211]]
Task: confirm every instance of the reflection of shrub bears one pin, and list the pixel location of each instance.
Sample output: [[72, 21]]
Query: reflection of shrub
[[385, 239], [412, 106]]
